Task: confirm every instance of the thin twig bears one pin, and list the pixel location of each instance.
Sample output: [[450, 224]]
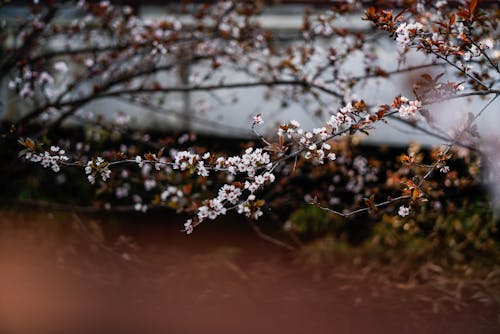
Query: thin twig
[[350, 213], [457, 138], [270, 239]]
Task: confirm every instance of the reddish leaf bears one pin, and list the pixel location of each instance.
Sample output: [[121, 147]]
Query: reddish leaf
[[405, 159], [464, 14], [472, 6], [187, 189], [237, 184], [371, 12]]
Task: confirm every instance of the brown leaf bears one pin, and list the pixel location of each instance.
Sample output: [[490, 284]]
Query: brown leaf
[[405, 159], [160, 152], [187, 189], [427, 77]]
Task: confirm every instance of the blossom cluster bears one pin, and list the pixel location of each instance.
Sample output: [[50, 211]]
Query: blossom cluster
[[230, 194], [344, 117], [313, 142], [53, 158], [249, 162], [211, 210], [407, 108], [476, 50], [185, 160], [251, 208], [258, 181], [96, 168], [406, 32], [171, 193], [226, 33]]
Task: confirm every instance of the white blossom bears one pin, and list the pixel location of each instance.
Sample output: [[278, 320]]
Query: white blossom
[[45, 78], [61, 67], [332, 156], [97, 168], [409, 109], [229, 193], [444, 169], [403, 211], [257, 119], [53, 158], [211, 210], [406, 31], [139, 161], [140, 207], [149, 184], [188, 226]]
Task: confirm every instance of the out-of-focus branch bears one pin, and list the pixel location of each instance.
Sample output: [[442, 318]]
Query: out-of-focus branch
[[165, 90], [8, 63]]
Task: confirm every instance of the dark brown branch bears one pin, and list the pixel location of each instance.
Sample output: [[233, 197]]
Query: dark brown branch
[[11, 60], [80, 102], [237, 85]]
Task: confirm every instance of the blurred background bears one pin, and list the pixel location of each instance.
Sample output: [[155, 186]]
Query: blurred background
[[76, 257]]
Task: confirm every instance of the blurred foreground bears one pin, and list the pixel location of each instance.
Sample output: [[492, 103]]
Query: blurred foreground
[[68, 273]]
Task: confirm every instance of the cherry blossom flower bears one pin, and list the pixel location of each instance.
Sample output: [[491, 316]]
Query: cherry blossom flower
[[403, 211], [407, 31], [257, 119], [444, 169], [61, 67], [53, 158], [97, 168], [408, 109], [188, 226]]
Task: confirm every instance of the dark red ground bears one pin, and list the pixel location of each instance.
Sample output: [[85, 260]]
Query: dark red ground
[[58, 277]]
